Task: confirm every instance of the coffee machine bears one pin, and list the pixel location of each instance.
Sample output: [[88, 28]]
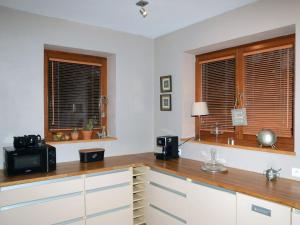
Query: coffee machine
[[169, 146]]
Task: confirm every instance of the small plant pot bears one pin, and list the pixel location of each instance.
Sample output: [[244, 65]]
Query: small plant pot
[[74, 135], [87, 134]]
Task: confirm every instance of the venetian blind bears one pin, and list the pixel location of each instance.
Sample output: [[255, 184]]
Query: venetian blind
[[269, 88], [218, 90], [73, 94]]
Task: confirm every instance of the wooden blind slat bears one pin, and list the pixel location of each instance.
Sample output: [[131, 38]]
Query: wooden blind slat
[[218, 90], [268, 93]]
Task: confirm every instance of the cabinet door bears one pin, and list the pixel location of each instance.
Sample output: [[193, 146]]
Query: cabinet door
[[211, 205], [254, 211], [296, 217]]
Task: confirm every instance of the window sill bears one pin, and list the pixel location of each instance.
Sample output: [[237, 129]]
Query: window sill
[[244, 147], [82, 141]]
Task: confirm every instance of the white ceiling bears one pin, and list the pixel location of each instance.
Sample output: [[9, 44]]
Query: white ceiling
[[165, 16]]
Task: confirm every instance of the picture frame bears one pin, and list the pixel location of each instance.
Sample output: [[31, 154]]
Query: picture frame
[[166, 84], [166, 102], [239, 117]]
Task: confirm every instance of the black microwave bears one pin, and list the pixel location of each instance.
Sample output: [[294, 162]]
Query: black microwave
[[40, 158]]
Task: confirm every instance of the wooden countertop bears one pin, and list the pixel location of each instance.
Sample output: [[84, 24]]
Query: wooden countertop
[[283, 191]]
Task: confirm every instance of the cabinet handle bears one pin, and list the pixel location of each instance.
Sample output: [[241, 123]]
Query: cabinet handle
[[39, 183], [261, 210], [168, 189], [168, 214], [39, 201]]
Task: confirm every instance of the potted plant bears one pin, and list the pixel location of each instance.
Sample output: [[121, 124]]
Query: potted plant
[[74, 134], [88, 130]]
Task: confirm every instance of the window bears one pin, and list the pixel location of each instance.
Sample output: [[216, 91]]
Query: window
[[259, 77], [75, 87]]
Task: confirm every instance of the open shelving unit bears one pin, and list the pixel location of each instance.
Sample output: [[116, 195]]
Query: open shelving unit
[[139, 201]]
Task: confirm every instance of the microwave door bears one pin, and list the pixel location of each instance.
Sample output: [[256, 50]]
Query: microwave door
[[27, 162]]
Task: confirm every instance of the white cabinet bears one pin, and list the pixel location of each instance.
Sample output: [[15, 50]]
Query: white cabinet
[[108, 198], [296, 217], [43, 203], [254, 211], [210, 205], [167, 199]]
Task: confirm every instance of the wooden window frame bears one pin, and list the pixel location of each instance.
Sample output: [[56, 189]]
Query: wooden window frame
[[80, 59], [284, 144]]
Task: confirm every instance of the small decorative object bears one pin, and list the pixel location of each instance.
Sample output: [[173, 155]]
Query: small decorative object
[[230, 141], [74, 134], [166, 84], [165, 102], [266, 138], [216, 130], [66, 137], [272, 174], [199, 109], [239, 117], [213, 166], [58, 136], [88, 130]]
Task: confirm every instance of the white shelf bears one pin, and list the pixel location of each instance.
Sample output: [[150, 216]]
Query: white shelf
[[138, 181], [139, 221], [138, 213], [138, 189], [138, 205]]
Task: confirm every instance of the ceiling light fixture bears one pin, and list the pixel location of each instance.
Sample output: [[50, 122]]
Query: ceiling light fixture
[[142, 4]]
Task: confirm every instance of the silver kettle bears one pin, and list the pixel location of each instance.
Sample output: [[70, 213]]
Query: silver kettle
[[272, 174]]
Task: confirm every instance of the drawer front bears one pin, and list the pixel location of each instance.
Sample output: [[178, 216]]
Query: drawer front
[[169, 200], [98, 200], [118, 216], [44, 212], [296, 217], [254, 211], [38, 190], [105, 179], [157, 216], [169, 181]]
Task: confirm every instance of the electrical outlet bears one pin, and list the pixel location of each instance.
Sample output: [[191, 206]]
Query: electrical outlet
[[179, 151], [296, 172]]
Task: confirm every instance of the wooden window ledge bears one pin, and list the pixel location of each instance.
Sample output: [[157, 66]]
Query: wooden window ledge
[[244, 147], [82, 141]]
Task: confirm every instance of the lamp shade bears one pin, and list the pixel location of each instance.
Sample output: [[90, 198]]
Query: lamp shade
[[199, 109]]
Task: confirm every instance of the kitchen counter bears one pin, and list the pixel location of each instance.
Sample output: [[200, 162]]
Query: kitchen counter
[[283, 191]]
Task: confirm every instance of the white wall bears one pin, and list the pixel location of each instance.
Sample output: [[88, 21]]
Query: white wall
[[22, 40], [171, 57]]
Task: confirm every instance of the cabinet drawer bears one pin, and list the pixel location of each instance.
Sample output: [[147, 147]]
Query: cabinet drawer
[[105, 179], [38, 190], [156, 216], [254, 211], [119, 216], [169, 181], [296, 217], [44, 212], [168, 199], [98, 200]]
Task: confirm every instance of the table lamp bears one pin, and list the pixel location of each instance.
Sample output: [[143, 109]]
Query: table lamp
[[199, 109]]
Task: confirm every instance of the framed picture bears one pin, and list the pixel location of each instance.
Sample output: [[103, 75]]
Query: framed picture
[[166, 84], [239, 117], [165, 102]]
